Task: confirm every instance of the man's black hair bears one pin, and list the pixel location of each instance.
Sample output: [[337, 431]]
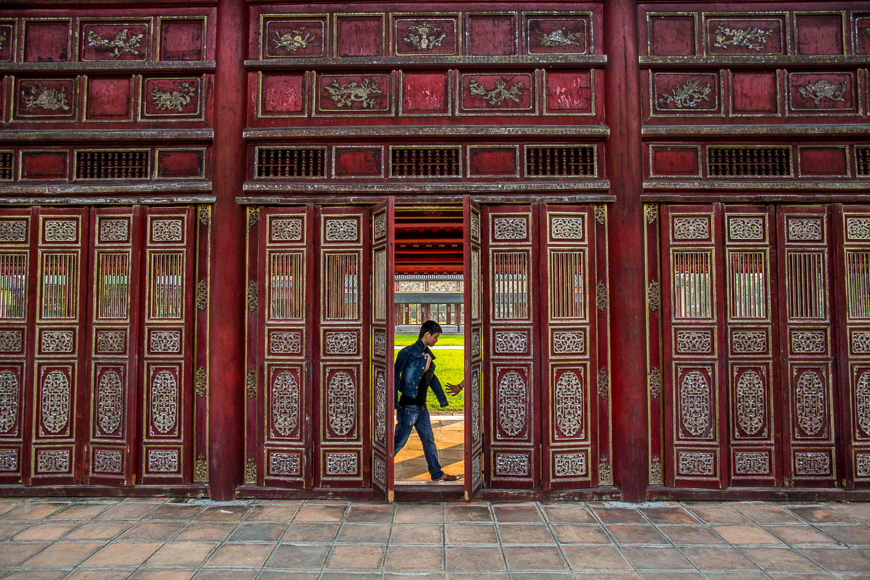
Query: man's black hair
[[429, 326]]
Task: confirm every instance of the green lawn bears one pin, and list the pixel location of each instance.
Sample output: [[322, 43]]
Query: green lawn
[[449, 366]]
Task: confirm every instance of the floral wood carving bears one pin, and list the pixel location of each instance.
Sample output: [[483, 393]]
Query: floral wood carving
[[202, 294], [823, 89], [200, 470], [652, 212], [689, 95], [655, 471], [201, 382], [653, 296], [558, 38], [251, 383], [601, 297], [39, 97], [751, 37], [253, 298], [121, 44], [174, 101], [348, 94], [603, 383], [253, 216], [499, 94], [251, 470], [655, 383], [3, 39], [295, 40], [424, 36]]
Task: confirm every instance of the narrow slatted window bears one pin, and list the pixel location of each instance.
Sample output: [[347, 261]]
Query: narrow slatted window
[[424, 162], [748, 285], [693, 285], [13, 286], [286, 286], [60, 285], [858, 284], [113, 164], [341, 286], [806, 285], [380, 287], [5, 165], [510, 285], [560, 161], [567, 281], [113, 289], [863, 157], [278, 162], [167, 285], [749, 161]]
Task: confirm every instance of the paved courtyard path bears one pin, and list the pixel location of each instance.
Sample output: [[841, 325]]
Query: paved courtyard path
[[165, 539]]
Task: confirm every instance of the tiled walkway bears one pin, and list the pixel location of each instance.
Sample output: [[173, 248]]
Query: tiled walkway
[[44, 539]]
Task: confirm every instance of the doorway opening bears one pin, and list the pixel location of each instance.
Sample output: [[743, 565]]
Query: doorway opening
[[429, 286]]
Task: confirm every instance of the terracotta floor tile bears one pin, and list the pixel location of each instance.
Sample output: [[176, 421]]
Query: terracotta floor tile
[[163, 575], [542, 576], [767, 514], [260, 532], [99, 531], [636, 534], [123, 554], [152, 531], [310, 533], [356, 557], [239, 574], [470, 534], [660, 558], [718, 514], [36, 575], [821, 515], [580, 534], [127, 511], [853, 535], [620, 516], [525, 534], [705, 558], [806, 576], [418, 513], [330, 575], [737, 576], [288, 575], [98, 575], [672, 515], [480, 559], [8, 506], [33, 511], [671, 576], [291, 556], [783, 559], [174, 512], [534, 558], [82, 511], [239, 556], [372, 513], [800, 535], [838, 560], [10, 529], [745, 535], [411, 558], [467, 513], [50, 532], [582, 558], [233, 513], [859, 511], [205, 532], [517, 513], [63, 555], [181, 555], [691, 535], [319, 513], [272, 513], [416, 534], [13, 554], [569, 514]]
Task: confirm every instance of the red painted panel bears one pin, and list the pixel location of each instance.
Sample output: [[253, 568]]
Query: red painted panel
[[47, 40], [491, 34], [819, 34], [754, 93], [672, 35], [359, 35], [109, 98]]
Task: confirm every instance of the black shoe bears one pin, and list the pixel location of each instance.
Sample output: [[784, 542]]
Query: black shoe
[[446, 477]]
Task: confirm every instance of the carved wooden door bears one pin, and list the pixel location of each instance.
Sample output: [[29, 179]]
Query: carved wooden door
[[112, 346], [808, 373], [694, 395], [279, 342], [510, 260], [574, 362], [383, 326], [341, 345], [473, 321]]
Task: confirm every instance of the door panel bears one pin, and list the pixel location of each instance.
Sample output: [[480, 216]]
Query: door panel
[[473, 330], [383, 325]]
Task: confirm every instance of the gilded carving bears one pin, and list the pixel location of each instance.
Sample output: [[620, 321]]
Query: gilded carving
[[749, 342], [691, 228], [163, 461], [167, 230], [3, 39], [601, 213], [251, 470], [286, 230], [603, 383], [286, 464], [11, 340], [751, 37], [812, 463], [163, 341], [856, 228], [567, 228], [200, 469], [253, 296], [652, 213], [694, 341], [511, 464], [475, 343], [37, 96], [805, 230], [752, 463], [56, 341], [164, 402], [750, 398], [696, 464], [55, 401], [512, 403], [509, 341], [654, 380], [862, 460], [10, 394], [201, 382], [380, 407], [475, 226], [655, 471], [174, 101], [808, 342], [695, 403], [570, 464], [860, 342], [475, 405], [204, 213], [347, 94], [294, 40], [285, 342], [601, 298], [341, 403], [380, 470], [810, 402], [823, 89], [253, 216], [689, 95], [60, 231], [13, 231], [108, 461], [424, 36], [862, 402], [569, 342], [652, 296], [114, 230], [251, 383], [605, 475], [52, 461], [110, 402], [202, 294], [342, 230], [123, 43], [569, 403], [342, 464], [559, 38], [499, 94], [380, 226], [341, 343], [110, 341], [380, 344], [746, 228], [8, 460], [510, 228], [285, 403]]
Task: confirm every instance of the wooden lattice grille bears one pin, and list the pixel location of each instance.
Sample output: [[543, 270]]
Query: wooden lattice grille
[[749, 162], [113, 164], [279, 162], [424, 162], [559, 161]]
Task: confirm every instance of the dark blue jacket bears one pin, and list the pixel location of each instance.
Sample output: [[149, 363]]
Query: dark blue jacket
[[410, 366]]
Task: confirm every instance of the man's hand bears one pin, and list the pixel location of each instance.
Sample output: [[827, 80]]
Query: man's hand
[[454, 389], [428, 361]]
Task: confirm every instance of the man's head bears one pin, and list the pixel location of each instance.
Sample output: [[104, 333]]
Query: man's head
[[429, 332]]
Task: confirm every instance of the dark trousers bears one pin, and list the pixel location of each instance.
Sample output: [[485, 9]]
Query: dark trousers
[[417, 417]]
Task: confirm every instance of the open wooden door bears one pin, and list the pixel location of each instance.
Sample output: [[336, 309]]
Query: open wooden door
[[473, 347], [383, 327]]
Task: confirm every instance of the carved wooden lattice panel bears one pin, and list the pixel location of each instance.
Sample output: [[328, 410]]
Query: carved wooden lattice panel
[[111, 427], [694, 393], [805, 324], [574, 304], [382, 324], [473, 288], [510, 264], [167, 344]]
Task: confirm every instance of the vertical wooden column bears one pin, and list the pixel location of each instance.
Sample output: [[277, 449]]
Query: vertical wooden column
[[623, 167], [226, 391]]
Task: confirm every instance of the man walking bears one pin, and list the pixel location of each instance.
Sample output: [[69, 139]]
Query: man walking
[[415, 375]]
